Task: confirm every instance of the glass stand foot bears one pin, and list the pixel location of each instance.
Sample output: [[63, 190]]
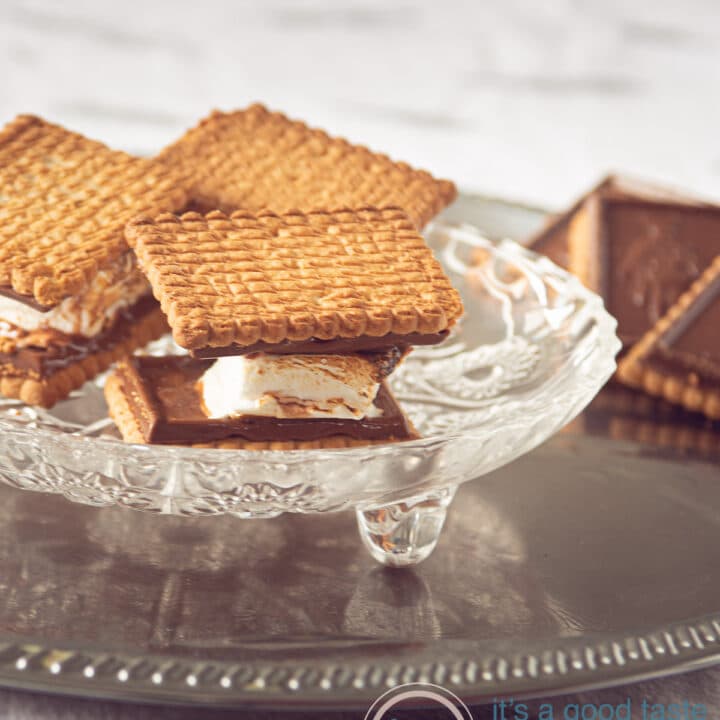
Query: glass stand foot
[[405, 533]]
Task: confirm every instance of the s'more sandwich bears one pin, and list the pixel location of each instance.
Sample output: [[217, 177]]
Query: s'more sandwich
[[257, 159], [292, 321], [72, 298]]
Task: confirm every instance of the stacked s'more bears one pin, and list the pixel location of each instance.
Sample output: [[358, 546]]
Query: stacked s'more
[[297, 281], [72, 299], [293, 321]]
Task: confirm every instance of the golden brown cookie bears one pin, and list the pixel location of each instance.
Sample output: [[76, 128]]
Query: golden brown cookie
[[255, 159], [64, 201], [251, 277]]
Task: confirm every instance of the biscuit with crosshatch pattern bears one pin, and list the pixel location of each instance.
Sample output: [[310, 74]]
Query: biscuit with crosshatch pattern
[[256, 159], [64, 200], [243, 278]]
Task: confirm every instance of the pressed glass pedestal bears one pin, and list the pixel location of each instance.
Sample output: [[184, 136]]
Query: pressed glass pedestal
[[532, 350]]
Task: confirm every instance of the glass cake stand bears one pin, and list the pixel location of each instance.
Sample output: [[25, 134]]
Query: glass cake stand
[[532, 350]]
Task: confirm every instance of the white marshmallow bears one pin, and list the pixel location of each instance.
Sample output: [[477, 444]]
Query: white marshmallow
[[291, 386]]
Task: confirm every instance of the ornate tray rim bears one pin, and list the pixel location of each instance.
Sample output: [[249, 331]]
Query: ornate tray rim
[[478, 676]]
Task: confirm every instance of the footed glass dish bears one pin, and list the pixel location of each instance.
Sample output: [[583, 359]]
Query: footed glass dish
[[532, 350]]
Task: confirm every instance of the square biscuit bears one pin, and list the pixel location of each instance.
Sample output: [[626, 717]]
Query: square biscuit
[[255, 159], [244, 278], [64, 200]]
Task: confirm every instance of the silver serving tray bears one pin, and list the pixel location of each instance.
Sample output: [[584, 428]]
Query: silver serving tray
[[590, 561]]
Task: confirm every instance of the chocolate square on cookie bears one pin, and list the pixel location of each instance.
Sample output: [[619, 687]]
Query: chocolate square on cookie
[[679, 358], [570, 227], [640, 256]]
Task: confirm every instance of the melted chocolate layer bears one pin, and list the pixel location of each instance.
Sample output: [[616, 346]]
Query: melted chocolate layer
[[69, 349], [163, 394], [338, 346], [29, 300]]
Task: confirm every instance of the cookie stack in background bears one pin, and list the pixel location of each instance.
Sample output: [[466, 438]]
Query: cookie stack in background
[[255, 159], [653, 254]]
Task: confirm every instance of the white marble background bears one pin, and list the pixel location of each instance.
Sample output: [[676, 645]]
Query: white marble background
[[530, 100]]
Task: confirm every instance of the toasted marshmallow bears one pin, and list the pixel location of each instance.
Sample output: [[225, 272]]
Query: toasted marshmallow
[[292, 386], [86, 314]]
